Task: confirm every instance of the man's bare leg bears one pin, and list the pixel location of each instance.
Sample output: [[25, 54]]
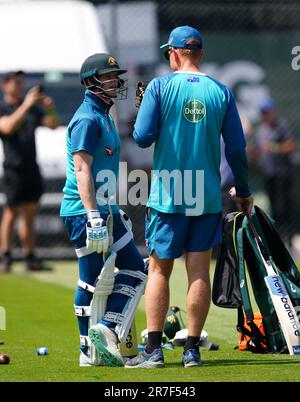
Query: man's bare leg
[[199, 290], [157, 293], [7, 226], [9, 216], [28, 212]]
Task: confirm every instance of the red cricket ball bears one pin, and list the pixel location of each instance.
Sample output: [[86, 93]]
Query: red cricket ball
[[4, 359]]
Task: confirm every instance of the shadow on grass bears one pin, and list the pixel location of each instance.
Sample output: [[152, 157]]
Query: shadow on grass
[[237, 362]]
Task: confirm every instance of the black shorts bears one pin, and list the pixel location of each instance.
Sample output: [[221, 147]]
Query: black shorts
[[20, 186]]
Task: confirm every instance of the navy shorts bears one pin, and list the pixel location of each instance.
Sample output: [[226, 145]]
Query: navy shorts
[[22, 187], [170, 235], [127, 258]]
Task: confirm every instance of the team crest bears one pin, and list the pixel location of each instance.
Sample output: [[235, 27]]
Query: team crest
[[112, 61]]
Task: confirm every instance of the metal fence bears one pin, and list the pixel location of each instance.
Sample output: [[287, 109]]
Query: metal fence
[[251, 46]]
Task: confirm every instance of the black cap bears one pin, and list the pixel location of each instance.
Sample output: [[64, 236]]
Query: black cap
[[99, 63], [12, 74]]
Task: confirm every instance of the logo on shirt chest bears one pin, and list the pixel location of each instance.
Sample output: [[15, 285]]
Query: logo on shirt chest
[[194, 111]]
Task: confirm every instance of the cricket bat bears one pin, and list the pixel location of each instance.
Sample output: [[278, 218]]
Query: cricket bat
[[284, 308], [129, 348]]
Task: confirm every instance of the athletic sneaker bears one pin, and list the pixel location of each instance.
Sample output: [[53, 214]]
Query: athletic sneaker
[[191, 358], [84, 360], [147, 360], [106, 343]]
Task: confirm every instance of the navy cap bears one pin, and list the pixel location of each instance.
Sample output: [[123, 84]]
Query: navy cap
[[180, 35], [266, 104]]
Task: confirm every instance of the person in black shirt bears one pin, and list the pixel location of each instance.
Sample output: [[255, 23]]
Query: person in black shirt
[[22, 181], [275, 144]]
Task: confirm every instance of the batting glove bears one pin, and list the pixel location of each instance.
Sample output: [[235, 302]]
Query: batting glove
[[139, 93], [97, 239]]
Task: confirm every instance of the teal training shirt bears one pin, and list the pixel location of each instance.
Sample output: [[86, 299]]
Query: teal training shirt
[[185, 113], [92, 130]]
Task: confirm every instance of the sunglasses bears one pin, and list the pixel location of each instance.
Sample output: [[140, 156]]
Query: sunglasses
[[168, 52]]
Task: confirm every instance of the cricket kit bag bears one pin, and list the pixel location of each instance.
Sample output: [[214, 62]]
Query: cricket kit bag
[[239, 252]]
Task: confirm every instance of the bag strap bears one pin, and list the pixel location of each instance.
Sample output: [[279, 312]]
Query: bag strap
[[234, 232], [242, 276], [256, 336]]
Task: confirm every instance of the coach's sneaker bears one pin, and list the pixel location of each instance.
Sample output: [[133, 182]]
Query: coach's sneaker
[[147, 360], [191, 358], [106, 343]]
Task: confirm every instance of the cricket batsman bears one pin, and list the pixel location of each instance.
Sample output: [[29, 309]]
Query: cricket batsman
[[184, 113], [106, 298]]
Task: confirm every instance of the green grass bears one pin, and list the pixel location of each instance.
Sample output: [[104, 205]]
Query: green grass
[[40, 313]]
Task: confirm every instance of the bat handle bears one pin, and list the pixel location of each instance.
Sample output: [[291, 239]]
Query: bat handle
[[253, 229], [258, 239]]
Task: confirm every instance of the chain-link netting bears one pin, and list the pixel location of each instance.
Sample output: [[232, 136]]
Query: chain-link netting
[[253, 47]]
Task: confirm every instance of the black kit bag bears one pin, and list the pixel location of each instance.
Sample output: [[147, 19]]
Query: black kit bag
[[226, 285]]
